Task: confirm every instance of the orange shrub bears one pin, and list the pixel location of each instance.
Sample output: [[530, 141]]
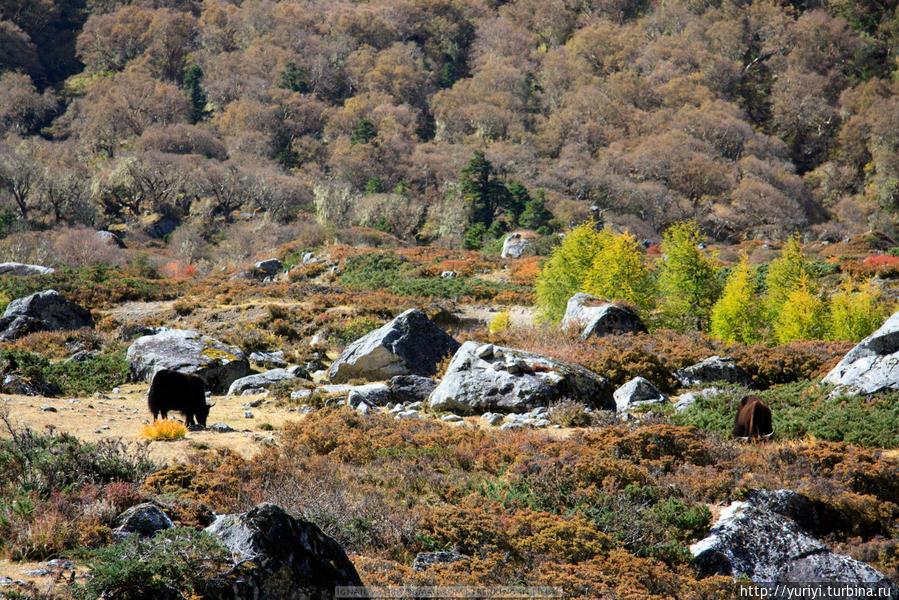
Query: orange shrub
[[178, 270], [525, 271]]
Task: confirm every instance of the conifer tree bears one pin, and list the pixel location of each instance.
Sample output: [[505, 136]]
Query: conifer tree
[[856, 310], [192, 77], [619, 271], [737, 316], [784, 275], [564, 272], [688, 286], [802, 316]]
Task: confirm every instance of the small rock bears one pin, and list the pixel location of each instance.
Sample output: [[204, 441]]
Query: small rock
[[449, 274], [247, 414], [254, 403], [451, 418], [220, 428], [712, 369], [48, 409], [300, 395], [511, 425], [425, 560], [144, 519], [485, 351]]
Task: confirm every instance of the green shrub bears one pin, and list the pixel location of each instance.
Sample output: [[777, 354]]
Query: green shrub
[[802, 315], [800, 410], [48, 462], [856, 310], [93, 374], [619, 271], [173, 564]]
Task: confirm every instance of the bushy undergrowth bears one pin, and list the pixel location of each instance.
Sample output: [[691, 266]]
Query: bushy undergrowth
[[94, 373], [93, 286], [394, 274], [58, 493], [173, 564], [527, 508], [164, 430], [623, 357], [803, 409]]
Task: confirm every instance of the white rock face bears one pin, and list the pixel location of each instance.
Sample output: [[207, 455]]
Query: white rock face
[[260, 380], [871, 366], [515, 245], [594, 316], [760, 540], [638, 391], [23, 270]]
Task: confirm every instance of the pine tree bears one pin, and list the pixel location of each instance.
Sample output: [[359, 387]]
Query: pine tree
[[535, 214], [564, 272], [688, 286], [619, 271], [364, 132], [192, 77], [737, 316], [293, 78]]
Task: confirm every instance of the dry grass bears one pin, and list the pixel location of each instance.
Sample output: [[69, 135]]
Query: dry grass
[[163, 431]]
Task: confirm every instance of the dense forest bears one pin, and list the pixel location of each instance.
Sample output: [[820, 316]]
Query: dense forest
[[450, 121]]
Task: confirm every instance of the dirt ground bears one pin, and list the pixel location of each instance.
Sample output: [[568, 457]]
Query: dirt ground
[[122, 416]]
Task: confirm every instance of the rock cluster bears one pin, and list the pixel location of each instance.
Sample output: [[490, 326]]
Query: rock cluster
[[483, 378]]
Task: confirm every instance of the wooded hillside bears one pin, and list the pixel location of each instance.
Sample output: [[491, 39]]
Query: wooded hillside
[[755, 118]]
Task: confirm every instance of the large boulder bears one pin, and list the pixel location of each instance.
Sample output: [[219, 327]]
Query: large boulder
[[760, 540], [711, 370], [873, 365], [284, 557], [495, 379], [23, 270], [515, 245], [639, 391], [44, 311], [593, 316], [144, 519], [270, 266], [409, 345], [189, 352], [261, 380]]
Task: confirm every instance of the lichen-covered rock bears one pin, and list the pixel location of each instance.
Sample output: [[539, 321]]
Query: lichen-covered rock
[[44, 311], [593, 316], [510, 380], [636, 392], [759, 540], [188, 352], [713, 369], [872, 365], [144, 519], [286, 558], [409, 345]]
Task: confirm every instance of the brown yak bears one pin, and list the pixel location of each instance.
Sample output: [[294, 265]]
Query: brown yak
[[753, 419]]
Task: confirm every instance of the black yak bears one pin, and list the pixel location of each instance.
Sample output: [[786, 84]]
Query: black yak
[[753, 419], [178, 392]]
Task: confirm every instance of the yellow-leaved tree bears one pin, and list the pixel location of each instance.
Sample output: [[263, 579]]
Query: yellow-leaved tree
[[784, 276], [737, 316], [802, 316], [619, 271], [856, 310], [564, 272]]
